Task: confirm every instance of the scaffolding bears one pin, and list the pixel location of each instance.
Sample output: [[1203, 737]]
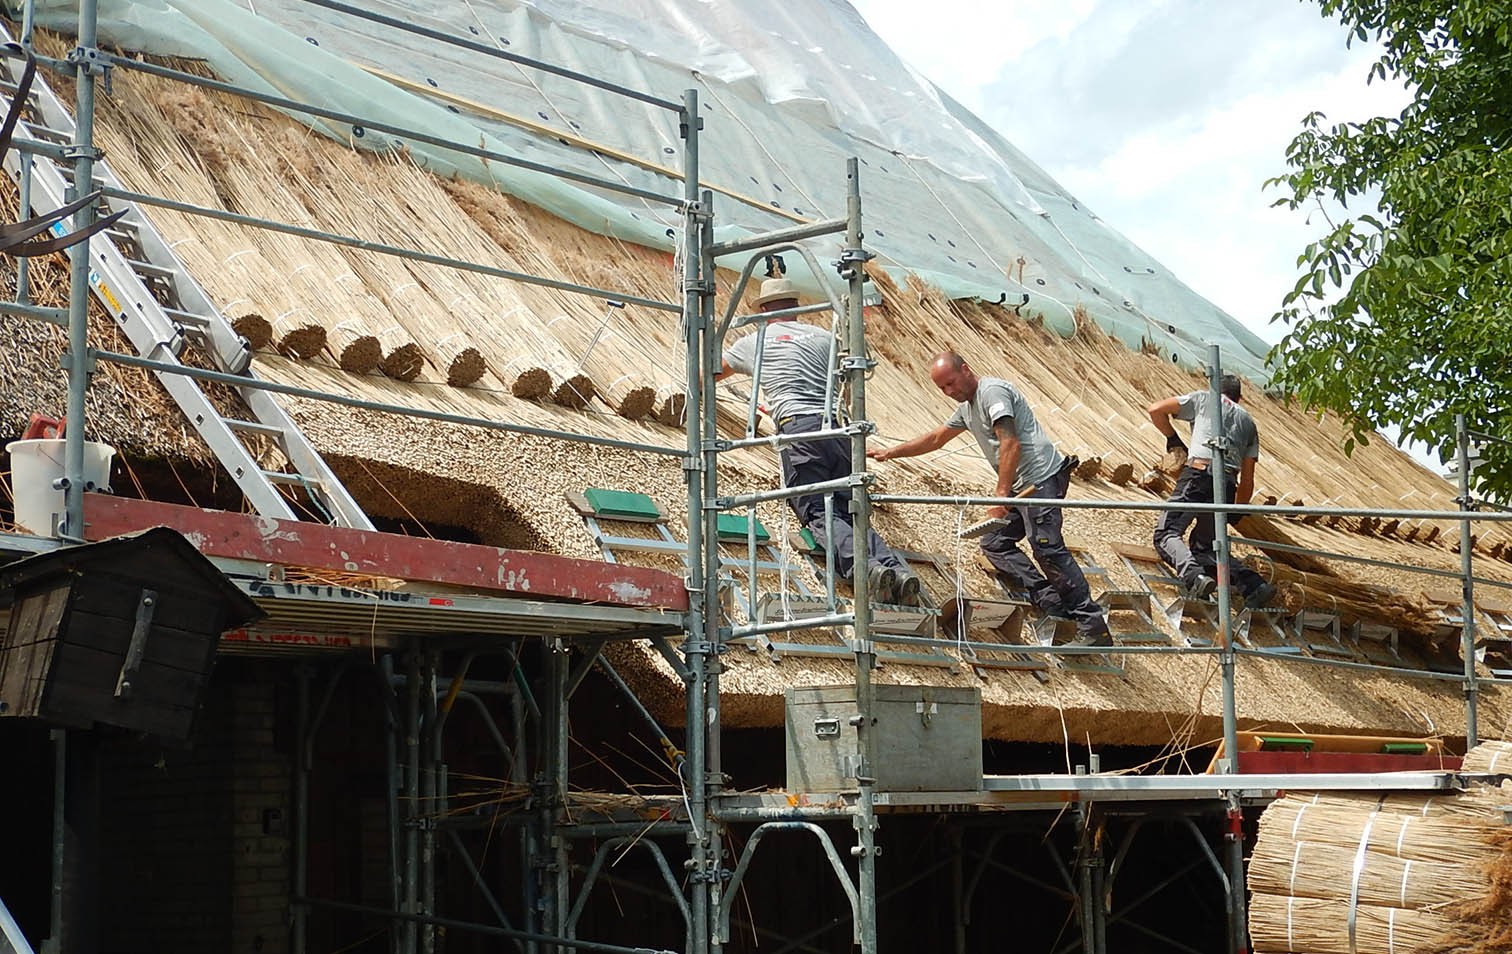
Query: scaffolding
[[419, 692]]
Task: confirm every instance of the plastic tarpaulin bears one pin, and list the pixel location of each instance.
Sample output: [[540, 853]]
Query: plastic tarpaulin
[[788, 92]]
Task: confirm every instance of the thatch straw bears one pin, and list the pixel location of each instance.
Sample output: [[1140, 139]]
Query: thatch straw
[[464, 364], [672, 408], [1122, 475], [1353, 602], [357, 351], [630, 397], [1489, 758], [402, 358], [255, 328], [574, 391], [298, 337], [1281, 924], [1089, 468], [527, 380]]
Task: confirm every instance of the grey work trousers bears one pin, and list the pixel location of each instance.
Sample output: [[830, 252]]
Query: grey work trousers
[[1195, 554], [1057, 585], [812, 462]]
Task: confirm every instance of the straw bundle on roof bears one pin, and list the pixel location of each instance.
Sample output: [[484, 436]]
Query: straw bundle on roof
[[1354, 602], [357, 351], [630, 397], [255, 328], [402, 358], [296, 335], [464, 364], [672, 408], [527, 380], [575, 390]]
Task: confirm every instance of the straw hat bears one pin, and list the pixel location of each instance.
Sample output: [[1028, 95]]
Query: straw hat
[[774, 289]]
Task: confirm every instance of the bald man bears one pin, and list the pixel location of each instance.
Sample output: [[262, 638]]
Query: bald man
[[1027, 465]]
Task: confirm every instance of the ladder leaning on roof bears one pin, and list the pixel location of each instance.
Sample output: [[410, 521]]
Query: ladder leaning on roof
[[127, 286]]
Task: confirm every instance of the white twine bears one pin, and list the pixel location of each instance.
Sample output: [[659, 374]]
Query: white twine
[[1354, 880]]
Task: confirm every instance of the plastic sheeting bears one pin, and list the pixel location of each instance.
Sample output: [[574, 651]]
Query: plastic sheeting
[[788, 92]]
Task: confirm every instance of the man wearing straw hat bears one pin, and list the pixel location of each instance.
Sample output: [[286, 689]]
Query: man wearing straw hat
[[1027, 465], [796, 362], [1193, 559]]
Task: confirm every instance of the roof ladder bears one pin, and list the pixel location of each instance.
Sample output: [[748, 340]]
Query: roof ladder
[[128, 283]]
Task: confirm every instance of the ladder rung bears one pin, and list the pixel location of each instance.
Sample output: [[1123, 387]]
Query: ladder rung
[[188, 318], [149, 269], [47, 132], [279, 477], [254, 427]]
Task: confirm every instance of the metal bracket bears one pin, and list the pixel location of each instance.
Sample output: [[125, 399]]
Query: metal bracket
[[93, 61], [857, 362], [137, 648], [66, 361], [696, 209]]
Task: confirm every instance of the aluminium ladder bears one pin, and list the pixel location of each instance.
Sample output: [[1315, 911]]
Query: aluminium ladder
[[127, 284]]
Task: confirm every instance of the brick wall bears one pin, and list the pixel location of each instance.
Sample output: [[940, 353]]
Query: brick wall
[[262, 826]]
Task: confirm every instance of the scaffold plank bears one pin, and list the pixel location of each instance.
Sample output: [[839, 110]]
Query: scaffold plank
[[541, 576]]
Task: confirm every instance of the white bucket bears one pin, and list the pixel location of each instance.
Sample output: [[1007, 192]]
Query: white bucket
[[36, 464]]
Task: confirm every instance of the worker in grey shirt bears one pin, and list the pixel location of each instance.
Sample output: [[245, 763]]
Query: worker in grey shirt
[[1193, 558], [1028, 465], [795, 363]]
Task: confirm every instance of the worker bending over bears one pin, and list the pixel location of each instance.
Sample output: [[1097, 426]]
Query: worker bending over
[[1028, 465], [1193, 559]]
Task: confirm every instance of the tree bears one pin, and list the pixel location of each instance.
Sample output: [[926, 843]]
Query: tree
[[1405, 317]]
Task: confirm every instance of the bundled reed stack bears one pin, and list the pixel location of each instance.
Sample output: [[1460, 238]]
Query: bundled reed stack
[[630, 397], [526, 379], [402, 358], [574, 391], [672, 408], [464, 364], [357, 351], [254, 327], [1359, 874], [1353, 602], [297, 335]]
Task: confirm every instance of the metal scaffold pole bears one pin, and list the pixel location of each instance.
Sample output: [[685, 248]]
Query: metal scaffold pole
[[77, 359], [855, 366], [703, 592], [1234, 834], [1467, 571]]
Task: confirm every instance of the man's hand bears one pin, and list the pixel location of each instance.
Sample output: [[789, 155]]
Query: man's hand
[[1174, 442], [997, 513], [877, 453]]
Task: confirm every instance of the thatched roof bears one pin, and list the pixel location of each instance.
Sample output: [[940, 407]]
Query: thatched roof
[[1091, 392]]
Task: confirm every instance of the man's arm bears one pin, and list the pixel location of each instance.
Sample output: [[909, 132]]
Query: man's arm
[[724, 370], [1246, 487], [923, 444], [1009, 452], [1160, 416]]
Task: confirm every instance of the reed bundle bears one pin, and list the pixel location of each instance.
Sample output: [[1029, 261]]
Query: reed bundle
[[298, 336], [1406, 870], [1257, 527], [672, 408], [1307, 869], [1353, 602], [255, 328], [357, 351], [1280, 924], [402, 358], [630, 397], [526, 379], [1490, 758], [574, 390], [464, 364]]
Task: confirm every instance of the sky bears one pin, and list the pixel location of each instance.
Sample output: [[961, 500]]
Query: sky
[[1164, 117]]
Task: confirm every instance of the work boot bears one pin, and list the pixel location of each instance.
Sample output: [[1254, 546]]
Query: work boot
[[910, 593], [1103, 638], [1263, 596], [1202, 587], [882, 583]]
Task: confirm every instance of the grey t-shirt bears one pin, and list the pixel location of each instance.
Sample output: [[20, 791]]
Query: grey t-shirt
[[996, 401], [1240, 435], [794, 365]]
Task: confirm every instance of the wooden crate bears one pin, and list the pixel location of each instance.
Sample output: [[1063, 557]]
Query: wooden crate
[[121, 632]]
